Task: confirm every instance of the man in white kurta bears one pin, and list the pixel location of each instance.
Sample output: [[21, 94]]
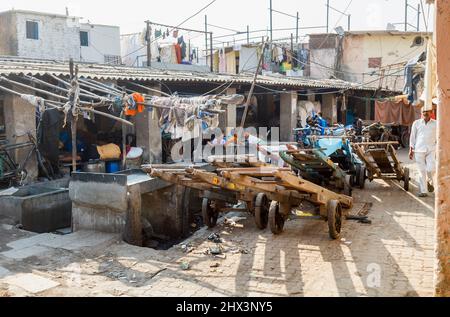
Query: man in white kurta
[[423, 151]]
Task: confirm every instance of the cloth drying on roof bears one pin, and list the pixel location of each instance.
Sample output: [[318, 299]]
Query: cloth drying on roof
[[412, 78], [248, 59], [267, 61], [302, 58], [168, 54], [401, 113], [178, 53], [222, 61], [183, 47]]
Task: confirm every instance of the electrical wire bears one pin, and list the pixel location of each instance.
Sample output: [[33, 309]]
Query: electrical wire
[[340, 18]]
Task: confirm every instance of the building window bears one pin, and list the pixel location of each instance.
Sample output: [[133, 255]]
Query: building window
[[375, 62], [112, 60], [32, 30], [84, 38]]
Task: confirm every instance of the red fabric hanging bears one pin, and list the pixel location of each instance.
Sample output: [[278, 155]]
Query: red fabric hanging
[[178, 51], [401, 113]]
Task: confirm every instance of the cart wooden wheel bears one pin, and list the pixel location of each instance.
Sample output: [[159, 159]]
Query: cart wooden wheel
[[334, 219], [361, 176], [276, 220], [262, 206], [406, 179], [209, 213]]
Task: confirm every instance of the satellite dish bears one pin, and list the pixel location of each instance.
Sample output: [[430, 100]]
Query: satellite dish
[[340, 30]]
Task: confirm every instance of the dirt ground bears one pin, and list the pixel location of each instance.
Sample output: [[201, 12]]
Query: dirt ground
[[393, 256]]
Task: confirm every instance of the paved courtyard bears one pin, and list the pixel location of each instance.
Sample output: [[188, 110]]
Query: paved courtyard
[[393, 256]]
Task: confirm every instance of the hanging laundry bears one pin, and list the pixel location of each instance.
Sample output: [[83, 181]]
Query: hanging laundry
[[278, 54], [285, 55], [222, 61], [285, 66], [175, 34], [289, 57], [412, 78], [178, 53], [302, 57], [267, 59], [158, 34], [181, 117], [183, 47], [398, 112], [248, 59], [135, 105], [168, 54]]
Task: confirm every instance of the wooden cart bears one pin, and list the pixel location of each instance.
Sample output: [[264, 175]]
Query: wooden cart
[[381, 161], [270, 193], [218, 193], [313, 165]]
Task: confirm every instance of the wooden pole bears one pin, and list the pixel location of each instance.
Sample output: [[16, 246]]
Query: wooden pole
[[206, 39], [328, 15], [250, 95], [211, 51], [133, 224], [124, 146], [73, 126], [73, 122], [442, 287], [271, 20], [149, 45]]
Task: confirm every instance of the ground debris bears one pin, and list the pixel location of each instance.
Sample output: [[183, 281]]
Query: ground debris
[[215, 250], [185, 266], [239, 251], [187, 248], [215, 237]]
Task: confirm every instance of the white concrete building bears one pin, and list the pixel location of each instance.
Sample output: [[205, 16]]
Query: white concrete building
[[57, 37], [100, 43]]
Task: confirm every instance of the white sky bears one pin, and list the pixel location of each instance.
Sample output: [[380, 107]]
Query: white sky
[[234, 14]]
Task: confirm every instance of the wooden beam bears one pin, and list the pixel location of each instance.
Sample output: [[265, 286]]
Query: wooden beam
[[324, 195], [133, 224]]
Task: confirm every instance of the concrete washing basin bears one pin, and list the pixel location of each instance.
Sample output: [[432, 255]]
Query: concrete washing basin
[[39, 208]]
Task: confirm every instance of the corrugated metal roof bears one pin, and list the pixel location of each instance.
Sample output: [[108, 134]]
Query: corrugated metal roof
[[21, 66]]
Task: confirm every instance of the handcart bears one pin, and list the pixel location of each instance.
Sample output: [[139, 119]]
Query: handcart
[[381, 161], [340, 151], [314, 166], [270, 193]]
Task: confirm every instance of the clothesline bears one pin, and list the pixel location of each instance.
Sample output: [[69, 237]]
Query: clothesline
[[127, 101]]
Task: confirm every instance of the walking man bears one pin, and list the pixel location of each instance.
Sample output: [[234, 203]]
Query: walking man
[[423, 151]]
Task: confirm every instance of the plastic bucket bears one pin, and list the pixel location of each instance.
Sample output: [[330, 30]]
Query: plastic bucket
[[112, 166]]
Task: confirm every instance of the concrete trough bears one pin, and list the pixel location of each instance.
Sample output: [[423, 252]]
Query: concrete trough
[[100, 203], [38, 208]]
